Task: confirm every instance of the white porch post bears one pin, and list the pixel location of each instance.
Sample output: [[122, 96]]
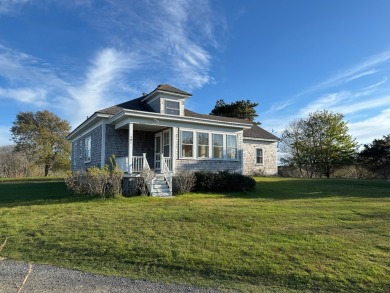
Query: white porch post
[[144, 160], [174, 149], [130, 149], [162, 165]]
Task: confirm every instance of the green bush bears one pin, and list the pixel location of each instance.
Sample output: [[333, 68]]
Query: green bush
[[223, 181]]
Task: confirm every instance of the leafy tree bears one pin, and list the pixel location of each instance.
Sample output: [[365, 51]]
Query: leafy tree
[[239, 109], [376, 156], [318, 144], [42, 136]]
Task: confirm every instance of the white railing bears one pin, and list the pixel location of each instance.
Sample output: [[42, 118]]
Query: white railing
[[139, 163], [166, 167]]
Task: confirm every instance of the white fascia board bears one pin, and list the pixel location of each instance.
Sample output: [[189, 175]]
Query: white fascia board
[[156, 92], [86, 125], [116, 119], [260, 139]]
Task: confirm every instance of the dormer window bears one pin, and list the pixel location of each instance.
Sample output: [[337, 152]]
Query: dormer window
[[172, 107]]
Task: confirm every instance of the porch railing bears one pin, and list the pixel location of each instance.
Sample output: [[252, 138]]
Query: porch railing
[[139, 163], [166, 167]]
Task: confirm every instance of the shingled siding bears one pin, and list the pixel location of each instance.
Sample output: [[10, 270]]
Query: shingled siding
[[268, 167], [78, 163], [117, 142], [208, 165]]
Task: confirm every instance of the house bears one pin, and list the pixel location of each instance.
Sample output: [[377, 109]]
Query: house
[[157, 132]]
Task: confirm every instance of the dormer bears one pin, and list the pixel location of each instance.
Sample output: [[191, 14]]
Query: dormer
[[166, 99]]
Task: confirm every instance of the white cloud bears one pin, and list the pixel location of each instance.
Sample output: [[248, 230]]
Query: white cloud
[[367, 130], [25, 95]]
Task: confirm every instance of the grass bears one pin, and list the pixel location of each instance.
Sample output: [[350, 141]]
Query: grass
[[314, 235]]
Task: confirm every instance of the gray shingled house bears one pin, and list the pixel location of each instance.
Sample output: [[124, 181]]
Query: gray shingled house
[[156, 132]]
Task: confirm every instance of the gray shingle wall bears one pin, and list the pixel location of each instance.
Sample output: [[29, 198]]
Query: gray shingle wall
[[156, 105], [116, 142], [208, 165], [96, 146], [268, 167], [144, 143]]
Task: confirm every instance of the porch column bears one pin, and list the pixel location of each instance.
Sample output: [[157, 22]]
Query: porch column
[[130, 149], [174, 149]]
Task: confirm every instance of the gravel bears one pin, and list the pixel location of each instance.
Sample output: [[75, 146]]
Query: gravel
[[47, 278]]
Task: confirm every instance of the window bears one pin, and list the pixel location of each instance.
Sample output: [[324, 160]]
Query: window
[[80, 148], [259, 156], [187, 143], [172, 107], [166, 144], [203, 145], [217, 146], [231, 146], [87, 154]]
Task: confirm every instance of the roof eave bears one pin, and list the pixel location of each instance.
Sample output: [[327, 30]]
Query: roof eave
[[86, 123]]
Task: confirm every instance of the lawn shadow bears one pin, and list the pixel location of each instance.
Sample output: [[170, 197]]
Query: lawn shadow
[[287, 188], [36, 193]]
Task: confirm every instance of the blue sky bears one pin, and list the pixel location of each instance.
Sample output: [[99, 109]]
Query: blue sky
[[74, 57]]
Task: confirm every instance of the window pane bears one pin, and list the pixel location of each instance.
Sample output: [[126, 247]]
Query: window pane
[[232, 153], [217, 152], [259, 156], [187, 151], [203, 138], [186, 137], [217, 139], [172, 112], [231, 141], [172, 104], [203, 151]]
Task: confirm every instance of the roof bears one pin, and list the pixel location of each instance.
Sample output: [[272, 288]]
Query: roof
[[137, 104], [169, 88], [257, 132]]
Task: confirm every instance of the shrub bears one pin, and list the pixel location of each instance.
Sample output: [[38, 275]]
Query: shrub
[[183, 182], [223, 181], [96, 182]]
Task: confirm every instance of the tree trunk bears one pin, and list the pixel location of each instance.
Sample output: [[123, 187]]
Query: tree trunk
[[47, 167]]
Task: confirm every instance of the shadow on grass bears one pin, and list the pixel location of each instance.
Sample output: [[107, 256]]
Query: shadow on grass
[[36, 193], [287, 188]]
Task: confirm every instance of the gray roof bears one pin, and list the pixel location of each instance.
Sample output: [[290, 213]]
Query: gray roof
[[169, 88], [254, 132]]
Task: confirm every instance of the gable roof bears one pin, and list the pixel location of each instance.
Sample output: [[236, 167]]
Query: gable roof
[[258, 133], [169, 88]]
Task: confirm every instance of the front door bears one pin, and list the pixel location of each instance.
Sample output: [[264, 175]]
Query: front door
[[157, 151]]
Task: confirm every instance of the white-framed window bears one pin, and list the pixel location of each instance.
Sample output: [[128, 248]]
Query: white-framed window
[[203, 144], [172, 107], [166, 143], [75, 153], [231, 146], [187, 144], [259, 156], [80, 149], [217, 146], [87, 152]]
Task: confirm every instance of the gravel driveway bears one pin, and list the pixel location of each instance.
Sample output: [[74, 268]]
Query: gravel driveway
[[19, 276]]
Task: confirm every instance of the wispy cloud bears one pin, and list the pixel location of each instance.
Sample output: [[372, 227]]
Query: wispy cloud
[[8, 6], [363, 69]]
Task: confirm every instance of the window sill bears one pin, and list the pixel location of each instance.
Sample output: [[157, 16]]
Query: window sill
[[87, 162]]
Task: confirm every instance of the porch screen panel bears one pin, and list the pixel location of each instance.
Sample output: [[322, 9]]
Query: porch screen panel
[[203, 145], [187, 144], [218, 146], [231, 146]]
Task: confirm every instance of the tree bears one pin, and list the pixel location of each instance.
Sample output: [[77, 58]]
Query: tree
[[13, 164], [239, 109], [376, 156], [318, 144], [42, 136]]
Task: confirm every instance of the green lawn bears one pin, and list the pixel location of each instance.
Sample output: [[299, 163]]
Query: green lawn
[[317, 235]]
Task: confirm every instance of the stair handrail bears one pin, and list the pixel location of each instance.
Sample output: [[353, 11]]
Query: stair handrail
[[146, 170], [166, 171]]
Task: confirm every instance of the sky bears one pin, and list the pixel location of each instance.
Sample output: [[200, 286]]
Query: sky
[[74, 57]]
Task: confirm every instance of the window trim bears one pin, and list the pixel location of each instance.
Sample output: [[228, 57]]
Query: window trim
[[195, 146], [228, 147], [170, 108], [75, 150], [262, 156], [87, 148], [208, 145]]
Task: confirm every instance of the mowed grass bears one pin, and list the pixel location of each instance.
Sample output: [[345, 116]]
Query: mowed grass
[[315, 235]]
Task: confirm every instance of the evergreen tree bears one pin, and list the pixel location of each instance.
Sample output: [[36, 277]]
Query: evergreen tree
[[239, 109]]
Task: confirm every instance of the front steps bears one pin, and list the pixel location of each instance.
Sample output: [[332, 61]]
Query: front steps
[[160, 187]]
